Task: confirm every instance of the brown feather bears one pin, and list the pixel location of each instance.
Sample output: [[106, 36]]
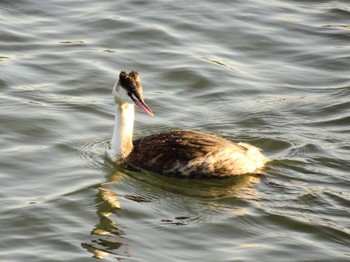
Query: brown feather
[[188, 153]]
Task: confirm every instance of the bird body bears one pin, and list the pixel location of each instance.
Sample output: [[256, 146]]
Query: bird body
[[181, 152], [195, 154]]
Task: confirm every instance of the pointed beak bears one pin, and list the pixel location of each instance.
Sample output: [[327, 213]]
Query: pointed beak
[[143, 106]]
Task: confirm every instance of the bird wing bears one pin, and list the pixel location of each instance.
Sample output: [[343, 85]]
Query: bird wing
[[164, 151]]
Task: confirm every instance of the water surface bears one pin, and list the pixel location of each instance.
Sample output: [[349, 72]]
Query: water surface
[[271, 73]]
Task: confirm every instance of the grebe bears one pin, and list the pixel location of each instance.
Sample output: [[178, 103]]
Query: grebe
[[183, 153]]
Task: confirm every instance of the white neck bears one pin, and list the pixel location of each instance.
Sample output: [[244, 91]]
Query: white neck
[[121, 144]]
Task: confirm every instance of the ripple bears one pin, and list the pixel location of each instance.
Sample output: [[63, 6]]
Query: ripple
[[73, 42], [85, 151], [272, 73]]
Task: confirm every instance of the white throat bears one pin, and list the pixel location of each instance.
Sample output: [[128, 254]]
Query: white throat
[[121, 144]]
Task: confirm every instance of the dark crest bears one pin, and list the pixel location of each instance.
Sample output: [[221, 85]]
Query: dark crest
[[132, 83]]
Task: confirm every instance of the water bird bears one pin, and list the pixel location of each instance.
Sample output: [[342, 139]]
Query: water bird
[[179, 153]]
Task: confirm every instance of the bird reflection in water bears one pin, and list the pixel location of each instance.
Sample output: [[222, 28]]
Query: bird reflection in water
[[107, 236]]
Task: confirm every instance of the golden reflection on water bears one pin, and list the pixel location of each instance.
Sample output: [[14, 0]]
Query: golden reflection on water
[[107, 234], [241, 187]]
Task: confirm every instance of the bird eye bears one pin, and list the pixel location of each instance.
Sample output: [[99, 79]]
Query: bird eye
[[132, 96]]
